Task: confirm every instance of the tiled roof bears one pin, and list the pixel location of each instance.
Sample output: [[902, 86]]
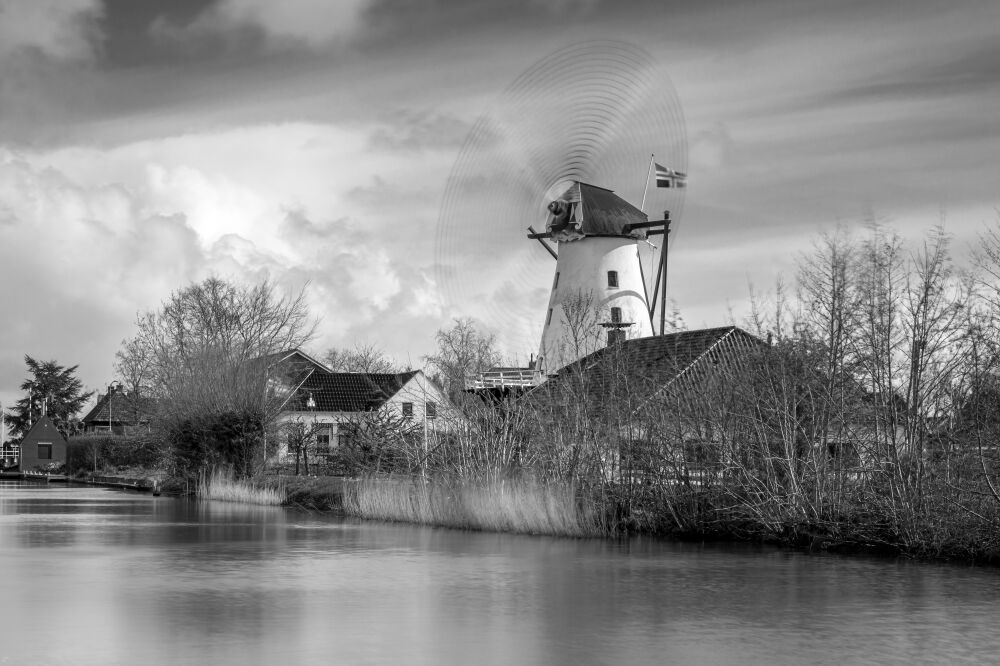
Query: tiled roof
[[347, 391], [648, 365], [121, 408]]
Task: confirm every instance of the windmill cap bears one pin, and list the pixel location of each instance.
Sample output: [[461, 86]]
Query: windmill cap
[[590, 210]]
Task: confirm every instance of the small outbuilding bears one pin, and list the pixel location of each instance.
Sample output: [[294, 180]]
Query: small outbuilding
[[43, 445]]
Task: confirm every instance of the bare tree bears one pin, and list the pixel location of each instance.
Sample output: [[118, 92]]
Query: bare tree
[[463, 352], [204, 356], [362, 358]]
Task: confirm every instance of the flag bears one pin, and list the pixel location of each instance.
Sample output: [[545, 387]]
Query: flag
[[669, 178]]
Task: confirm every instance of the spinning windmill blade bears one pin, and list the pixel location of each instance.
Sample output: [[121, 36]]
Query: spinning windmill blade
[[591, 113]]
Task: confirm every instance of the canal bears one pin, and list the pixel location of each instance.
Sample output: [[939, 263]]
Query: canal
[[92, 576]]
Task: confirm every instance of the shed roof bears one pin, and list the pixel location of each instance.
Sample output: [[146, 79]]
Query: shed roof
[[348, 391], [42, 429]]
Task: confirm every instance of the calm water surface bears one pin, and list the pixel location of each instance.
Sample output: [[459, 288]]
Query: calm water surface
[[91, 576]]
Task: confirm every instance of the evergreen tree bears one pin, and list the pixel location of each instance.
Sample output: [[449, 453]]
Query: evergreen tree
[[51, 385]]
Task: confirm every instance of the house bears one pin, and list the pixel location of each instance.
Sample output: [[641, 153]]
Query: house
[[335, 403], [118, 412], [42, 445]]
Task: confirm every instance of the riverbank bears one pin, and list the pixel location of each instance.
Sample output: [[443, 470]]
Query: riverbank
[[940, 533]]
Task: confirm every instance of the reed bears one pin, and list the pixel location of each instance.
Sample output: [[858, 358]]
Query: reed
[[507, 505], [221, 485]]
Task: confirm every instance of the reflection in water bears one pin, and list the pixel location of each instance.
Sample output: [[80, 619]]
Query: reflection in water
[[95, 576]]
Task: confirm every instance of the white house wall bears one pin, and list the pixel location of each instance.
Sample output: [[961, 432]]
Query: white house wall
[[418, 391]]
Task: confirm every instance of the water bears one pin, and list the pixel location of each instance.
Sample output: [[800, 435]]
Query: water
[[90, 576]]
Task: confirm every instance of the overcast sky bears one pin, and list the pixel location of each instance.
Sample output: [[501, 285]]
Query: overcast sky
[[146, 145]]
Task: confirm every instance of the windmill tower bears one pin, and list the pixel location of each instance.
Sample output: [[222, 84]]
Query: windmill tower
[[598, 293]]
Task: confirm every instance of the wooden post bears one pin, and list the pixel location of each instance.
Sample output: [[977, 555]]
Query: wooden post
[[663, 270]]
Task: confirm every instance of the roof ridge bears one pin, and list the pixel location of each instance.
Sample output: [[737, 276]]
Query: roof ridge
[[688, 367]]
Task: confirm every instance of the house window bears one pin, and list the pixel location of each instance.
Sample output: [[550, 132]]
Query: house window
[[548, 319], [431, 410], [408, 410], [323, 442], [616, 315], [45, 452], [555, 283], [612, 279]]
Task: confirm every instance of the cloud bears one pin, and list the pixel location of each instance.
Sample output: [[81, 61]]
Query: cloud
[[289, 24], [62, 30], [78, 262], [413, 130], [106, 232]]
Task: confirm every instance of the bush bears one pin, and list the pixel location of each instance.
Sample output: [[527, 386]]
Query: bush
[[231, 440], [84, 453]]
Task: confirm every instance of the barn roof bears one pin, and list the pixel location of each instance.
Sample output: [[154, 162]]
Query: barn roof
[[649, 365], [347, 391]]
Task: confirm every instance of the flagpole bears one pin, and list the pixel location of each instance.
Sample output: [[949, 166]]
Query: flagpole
[[645, 187]]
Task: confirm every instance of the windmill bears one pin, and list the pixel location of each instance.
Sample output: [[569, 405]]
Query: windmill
[[567, 145]]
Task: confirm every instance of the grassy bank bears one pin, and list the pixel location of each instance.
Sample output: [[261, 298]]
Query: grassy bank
[[317, 493], [223, 486], [522, 506]]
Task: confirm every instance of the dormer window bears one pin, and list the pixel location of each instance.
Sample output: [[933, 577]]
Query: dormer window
[[612, 279]]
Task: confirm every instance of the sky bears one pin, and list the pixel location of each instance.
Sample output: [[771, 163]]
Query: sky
[[148, 145]]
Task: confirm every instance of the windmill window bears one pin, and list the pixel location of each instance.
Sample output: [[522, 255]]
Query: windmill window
[[555, 283], [548, 319], [45, 452], [616, 315], [408, 410], [431, 410], [612, 279]]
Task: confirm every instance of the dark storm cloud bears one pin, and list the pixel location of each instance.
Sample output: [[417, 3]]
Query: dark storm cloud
[[975, 71]]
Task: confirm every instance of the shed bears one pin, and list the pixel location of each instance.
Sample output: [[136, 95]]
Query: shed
[[43, 445]]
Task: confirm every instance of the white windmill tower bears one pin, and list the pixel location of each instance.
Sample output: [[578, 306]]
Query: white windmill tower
[[561, 144], [599, 280]]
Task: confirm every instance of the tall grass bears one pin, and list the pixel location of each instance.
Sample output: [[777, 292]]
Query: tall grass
[[223, 486], [510, 505]]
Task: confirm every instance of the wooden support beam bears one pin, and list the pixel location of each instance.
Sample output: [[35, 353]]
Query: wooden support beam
[[537, 236], [646, 225]]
